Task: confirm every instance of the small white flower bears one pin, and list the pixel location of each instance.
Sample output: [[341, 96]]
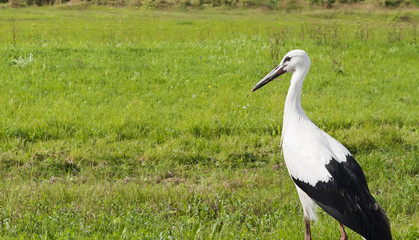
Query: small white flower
[[22, 61]]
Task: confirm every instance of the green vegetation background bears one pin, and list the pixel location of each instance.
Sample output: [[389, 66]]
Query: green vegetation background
[[224, 4], [124, 123]]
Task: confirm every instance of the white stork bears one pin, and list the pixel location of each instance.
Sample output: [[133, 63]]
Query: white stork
[[323, 170]]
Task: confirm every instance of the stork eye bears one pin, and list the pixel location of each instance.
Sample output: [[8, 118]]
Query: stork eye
[[287, 59]]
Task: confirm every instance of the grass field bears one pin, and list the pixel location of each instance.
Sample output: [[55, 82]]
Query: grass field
[[122, 124]]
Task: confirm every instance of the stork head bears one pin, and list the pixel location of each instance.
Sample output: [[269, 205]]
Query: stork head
[[291, 62]]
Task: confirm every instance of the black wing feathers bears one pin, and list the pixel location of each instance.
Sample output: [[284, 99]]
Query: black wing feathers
[[347, 198]]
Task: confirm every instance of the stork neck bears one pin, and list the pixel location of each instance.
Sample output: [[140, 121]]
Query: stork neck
[[293, 112], [293, 100]]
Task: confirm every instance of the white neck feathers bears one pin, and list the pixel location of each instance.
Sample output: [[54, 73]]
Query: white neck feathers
[[293, 112]]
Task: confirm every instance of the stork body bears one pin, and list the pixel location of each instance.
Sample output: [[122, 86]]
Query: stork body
[[323, 170]]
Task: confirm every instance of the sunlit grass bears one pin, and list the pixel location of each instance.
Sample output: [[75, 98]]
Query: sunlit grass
[[122, 123]]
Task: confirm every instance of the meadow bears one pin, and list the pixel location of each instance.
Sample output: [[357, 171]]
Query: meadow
[[119, 123]]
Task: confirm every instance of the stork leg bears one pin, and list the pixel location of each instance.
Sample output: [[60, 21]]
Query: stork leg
[[343, 235], [308, 232]]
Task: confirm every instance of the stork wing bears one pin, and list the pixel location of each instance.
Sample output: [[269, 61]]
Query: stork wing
[[347, 198]]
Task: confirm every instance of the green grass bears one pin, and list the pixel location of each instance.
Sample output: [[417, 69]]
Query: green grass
[[121, 123]]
